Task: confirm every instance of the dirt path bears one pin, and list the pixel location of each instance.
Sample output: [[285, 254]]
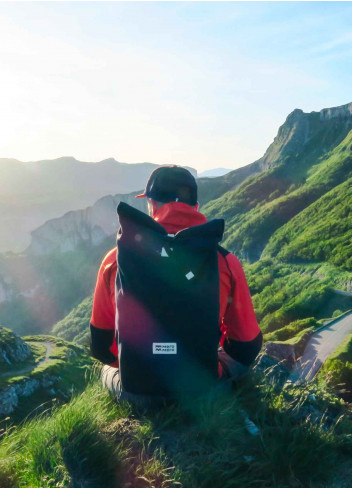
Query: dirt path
[[14, 373], [322, 344]]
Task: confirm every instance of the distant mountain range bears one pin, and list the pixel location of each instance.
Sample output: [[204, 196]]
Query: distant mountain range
[[89, 226], [271, 190], [216, 172], [34, 192]]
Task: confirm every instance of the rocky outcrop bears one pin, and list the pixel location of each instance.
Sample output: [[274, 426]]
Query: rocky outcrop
[[282, 352], [288, 353], [275, 371], [10, 396], [56, 374], [300, 128], [341, 112], [87, 226], [303, 136], [12, 348], [292, 134]]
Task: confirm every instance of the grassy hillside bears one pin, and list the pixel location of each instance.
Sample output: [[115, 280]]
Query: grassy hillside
[[337, 370], [266, 202], [258, 436], [290, 225], [75, 326], [322, 232], [284, 293], [212, 189]]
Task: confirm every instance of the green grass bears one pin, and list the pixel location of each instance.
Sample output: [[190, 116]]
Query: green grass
[[75, 447], [290, 331], [66, 360], [6, 335], [75, 326], [38, 350], [286, 296], [337, 370], [322, 232], [63, 356], [94, 442], [263, 204]]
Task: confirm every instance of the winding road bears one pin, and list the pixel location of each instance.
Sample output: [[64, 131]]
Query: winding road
[[322, 344], [13, 373]]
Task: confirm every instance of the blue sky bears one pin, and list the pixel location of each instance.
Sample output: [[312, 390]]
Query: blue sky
[[205, 84]]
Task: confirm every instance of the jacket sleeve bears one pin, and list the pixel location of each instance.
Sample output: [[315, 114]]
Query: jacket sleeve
[[243, 338], [102, 323]]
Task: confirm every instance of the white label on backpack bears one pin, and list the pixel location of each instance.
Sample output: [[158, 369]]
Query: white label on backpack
[[164, 348]]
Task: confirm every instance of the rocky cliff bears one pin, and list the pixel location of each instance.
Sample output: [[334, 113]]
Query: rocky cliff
[[54, 371], [301, 139], [86, 226], [12, 349], [341, 112], [13, 395], [301, 128]]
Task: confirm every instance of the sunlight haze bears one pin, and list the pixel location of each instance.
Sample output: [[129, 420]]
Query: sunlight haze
[[199, 84]]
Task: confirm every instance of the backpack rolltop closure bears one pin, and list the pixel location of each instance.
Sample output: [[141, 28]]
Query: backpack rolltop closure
[[167, 299]]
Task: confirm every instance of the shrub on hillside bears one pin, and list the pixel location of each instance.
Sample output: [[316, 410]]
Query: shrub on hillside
[[291, 330], [337, 369]]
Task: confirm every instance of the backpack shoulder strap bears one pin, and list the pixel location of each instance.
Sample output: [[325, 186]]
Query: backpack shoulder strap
[[224, 252]]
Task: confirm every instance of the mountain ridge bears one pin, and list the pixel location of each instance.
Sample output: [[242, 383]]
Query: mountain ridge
[[90, 226], [295, 159], [32, 193], [291, 136], [257, 208]]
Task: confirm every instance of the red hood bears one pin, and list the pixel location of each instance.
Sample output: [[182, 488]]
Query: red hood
[[175, 216]]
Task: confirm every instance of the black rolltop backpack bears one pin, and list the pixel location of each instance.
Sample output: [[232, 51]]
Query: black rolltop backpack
[[167, 299]]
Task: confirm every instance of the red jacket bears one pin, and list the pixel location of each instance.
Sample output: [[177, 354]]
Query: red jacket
[[237, 320]]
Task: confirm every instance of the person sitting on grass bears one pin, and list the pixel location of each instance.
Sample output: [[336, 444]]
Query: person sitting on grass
[[172, 312]]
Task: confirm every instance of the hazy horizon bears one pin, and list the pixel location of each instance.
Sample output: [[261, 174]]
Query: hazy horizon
[[200, 84], [105, 159]]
